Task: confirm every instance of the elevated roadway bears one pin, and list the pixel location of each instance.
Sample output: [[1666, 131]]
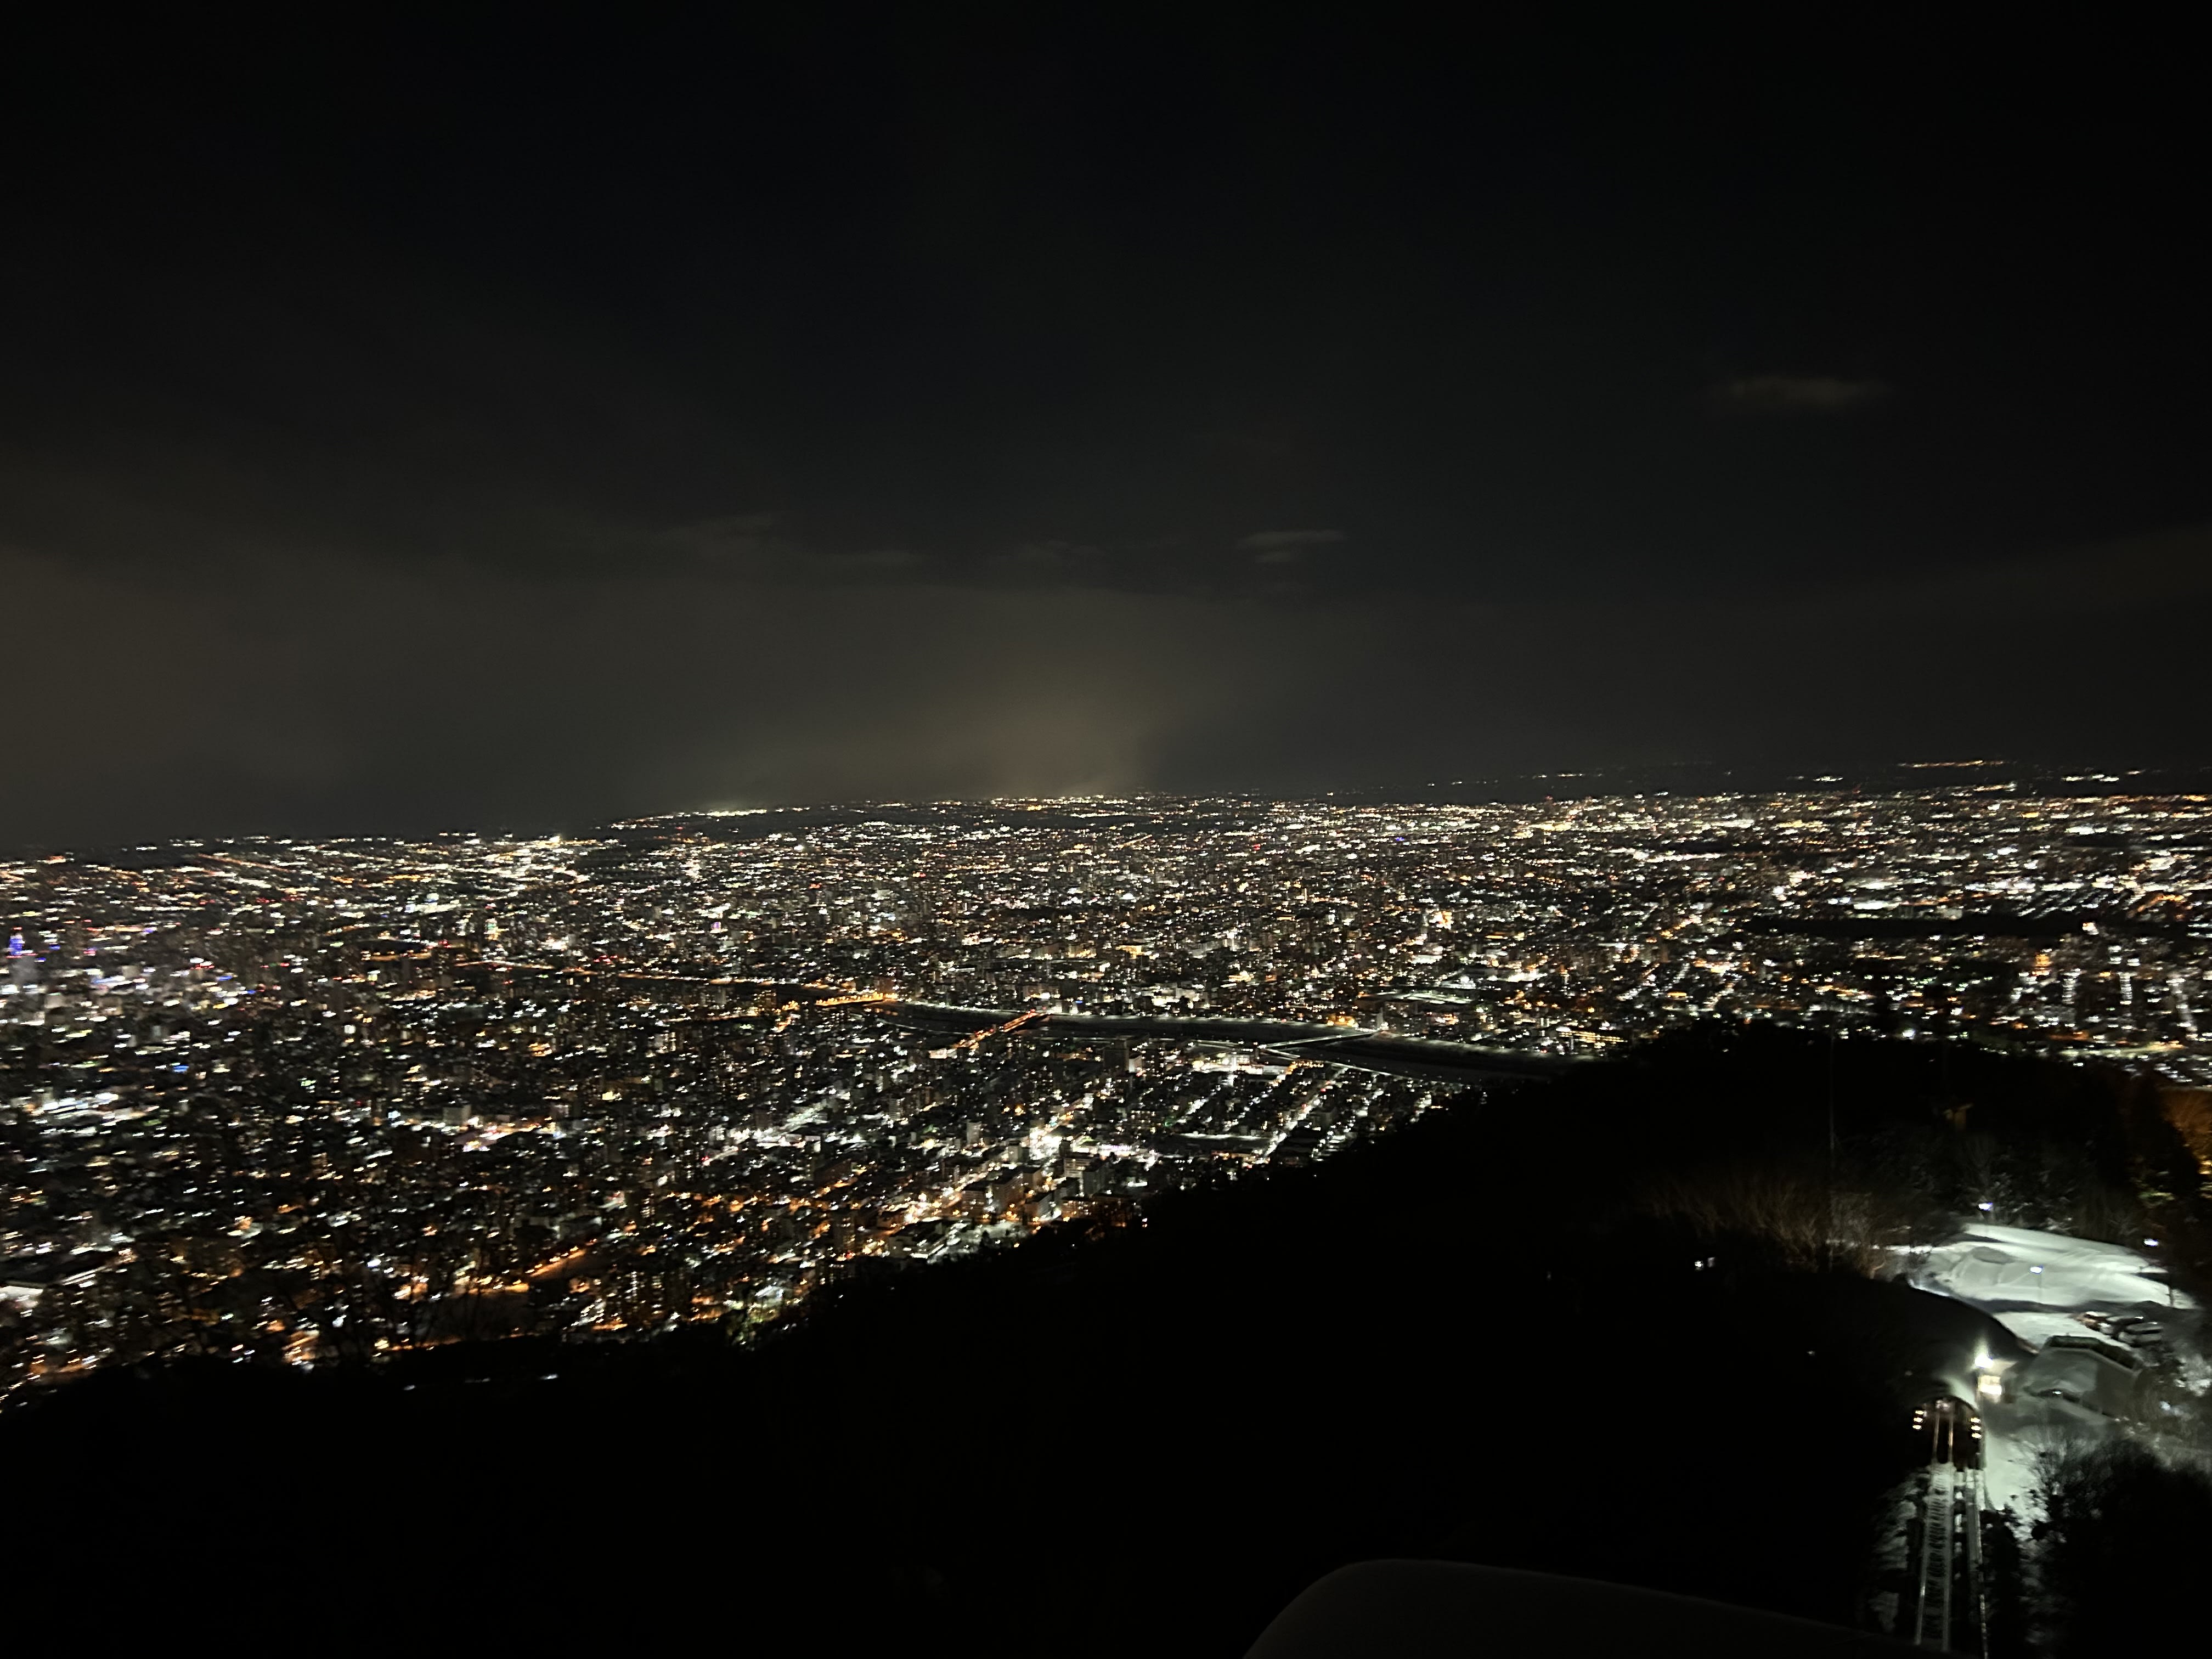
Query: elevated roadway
[[1337, 1045]]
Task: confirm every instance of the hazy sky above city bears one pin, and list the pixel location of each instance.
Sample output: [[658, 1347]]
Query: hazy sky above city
[[524, 415]]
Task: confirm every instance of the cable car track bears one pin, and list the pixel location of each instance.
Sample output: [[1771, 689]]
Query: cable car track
[[1945, 1608]]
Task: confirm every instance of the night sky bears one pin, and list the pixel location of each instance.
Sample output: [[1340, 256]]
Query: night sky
[[510, 417]]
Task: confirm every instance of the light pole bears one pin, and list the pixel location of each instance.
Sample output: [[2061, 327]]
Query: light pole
[[2152, 1243], [2038, 1272]]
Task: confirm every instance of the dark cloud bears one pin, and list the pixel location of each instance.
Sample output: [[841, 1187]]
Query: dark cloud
[[1286, 546], [1799, 394], [333, 694], [329, 692], [383, 444]]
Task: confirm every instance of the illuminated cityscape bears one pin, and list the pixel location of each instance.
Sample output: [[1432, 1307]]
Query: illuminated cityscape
[[1145, 834], [304, 1101]]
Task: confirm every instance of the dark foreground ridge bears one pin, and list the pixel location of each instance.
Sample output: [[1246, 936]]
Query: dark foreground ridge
[[1486, 1338], [1447, 1609]]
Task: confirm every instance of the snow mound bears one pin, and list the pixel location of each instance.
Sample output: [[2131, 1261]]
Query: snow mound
[[2012, 1266]]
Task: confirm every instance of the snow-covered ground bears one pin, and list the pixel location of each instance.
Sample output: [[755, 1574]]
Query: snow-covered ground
[[2034, 1284]]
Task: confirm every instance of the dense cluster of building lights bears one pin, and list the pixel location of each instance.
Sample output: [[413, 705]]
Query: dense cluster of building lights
[[301, 1100]]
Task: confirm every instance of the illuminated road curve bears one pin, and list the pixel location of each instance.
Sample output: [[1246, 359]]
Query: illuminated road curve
[[1339, 1045]]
